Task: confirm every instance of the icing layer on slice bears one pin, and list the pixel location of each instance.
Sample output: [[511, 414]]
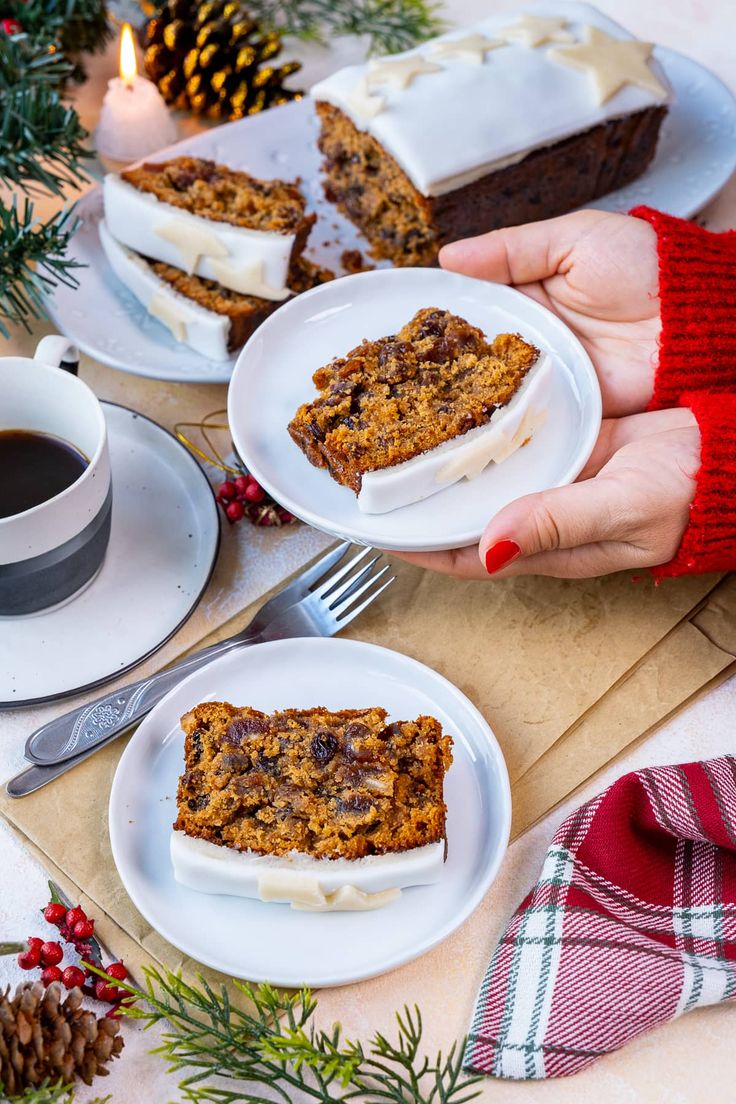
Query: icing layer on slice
[[188, 322], [320, 885], [215, 250], [450, 127], [463, 457]]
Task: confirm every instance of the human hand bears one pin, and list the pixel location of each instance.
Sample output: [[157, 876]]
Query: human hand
[[598, 272], [629, 509]]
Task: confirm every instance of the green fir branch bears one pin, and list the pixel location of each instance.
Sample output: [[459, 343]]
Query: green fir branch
[[41, 138], [391, 25], [72, 27], [32, 261], [269, 1049], [48, 1094]]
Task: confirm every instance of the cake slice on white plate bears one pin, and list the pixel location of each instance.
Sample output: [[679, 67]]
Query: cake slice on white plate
[[211, 221], [200, 313], [405, 416], [326, 810]]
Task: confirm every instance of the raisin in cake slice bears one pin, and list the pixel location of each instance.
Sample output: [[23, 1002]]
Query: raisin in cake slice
[[211, 221], [403, 417], [202, 314], [325, 810], [518, 117]]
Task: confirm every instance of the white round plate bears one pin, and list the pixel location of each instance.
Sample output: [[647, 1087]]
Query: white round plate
[[163, 546], [271, 942], [273, 376], [695, 157]]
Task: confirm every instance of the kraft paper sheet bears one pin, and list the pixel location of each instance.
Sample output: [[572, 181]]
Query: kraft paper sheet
[[597, 662]]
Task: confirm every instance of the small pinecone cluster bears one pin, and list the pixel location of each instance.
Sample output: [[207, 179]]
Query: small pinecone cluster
[[43, 1037], [213, 59]]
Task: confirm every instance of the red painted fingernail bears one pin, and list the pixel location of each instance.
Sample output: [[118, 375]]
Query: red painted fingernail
[[500, 554]]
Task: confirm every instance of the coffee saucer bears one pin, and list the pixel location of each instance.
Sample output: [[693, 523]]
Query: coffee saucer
[[163, 546]]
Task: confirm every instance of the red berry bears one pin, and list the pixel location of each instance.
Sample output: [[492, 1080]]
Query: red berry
[[51, 954], [11, 26], [106, 992], [73, 977], [29, 960], [50, 975], [83, 929], [241, 484], [34, 943], [255, 492], [286, 517], [226, 491], [234, 511], [117, 970], [54, 913], [74, 915]]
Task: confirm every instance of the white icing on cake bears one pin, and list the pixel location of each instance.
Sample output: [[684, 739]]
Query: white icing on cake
[[304, 882], [454, 126], [188, 322], [195, 244], [463, 457]]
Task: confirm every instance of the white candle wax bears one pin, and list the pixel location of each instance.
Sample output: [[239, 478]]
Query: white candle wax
[[134, 120]]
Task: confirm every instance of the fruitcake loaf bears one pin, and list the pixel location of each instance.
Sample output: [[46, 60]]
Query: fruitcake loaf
[[516, 118]]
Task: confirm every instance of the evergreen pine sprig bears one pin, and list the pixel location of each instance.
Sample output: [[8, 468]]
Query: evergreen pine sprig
[[41, 138], [391, 25], [48, 1094], [41, 150], [269, 1049], [71, 27], [32, 260]]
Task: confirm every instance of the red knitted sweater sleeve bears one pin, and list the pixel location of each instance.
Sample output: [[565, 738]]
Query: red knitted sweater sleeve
[[709, 542], [697, 291]]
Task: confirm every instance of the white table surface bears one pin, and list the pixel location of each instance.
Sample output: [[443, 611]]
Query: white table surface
[[692, 1060]]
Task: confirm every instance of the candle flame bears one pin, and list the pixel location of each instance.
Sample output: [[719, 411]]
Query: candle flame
[[128, 62]]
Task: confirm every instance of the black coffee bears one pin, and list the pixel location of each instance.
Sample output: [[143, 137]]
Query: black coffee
[[34, 467]]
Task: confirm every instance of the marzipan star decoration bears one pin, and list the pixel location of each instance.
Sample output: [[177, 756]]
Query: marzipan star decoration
[[401, 72], [533, 30], [611, 63], [363, 104], [472, 48]]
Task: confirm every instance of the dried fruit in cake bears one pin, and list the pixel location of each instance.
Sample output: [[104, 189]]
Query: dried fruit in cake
[[329, 784], [388, 401], [216, 192]]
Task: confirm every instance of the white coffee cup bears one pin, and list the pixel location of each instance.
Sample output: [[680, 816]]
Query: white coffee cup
[[52, 550]]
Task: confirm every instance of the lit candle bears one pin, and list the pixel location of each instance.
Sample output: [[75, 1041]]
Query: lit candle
[[134, 120]]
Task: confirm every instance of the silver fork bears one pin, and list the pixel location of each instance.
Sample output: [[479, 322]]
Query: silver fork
[[320, 602]]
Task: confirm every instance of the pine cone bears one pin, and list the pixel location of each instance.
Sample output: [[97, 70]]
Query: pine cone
[[210, 57], [43, 1037]]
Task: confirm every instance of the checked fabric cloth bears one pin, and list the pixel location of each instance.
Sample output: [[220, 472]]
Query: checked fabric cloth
[[632, 922]]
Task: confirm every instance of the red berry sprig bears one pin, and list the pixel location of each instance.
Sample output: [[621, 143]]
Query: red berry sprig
[[245, 497], [77, 929]]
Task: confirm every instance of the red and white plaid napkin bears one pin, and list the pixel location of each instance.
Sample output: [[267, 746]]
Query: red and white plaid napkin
[[632, 922]]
